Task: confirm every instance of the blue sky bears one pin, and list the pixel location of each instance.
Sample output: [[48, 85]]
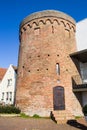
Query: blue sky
[[12, 12]]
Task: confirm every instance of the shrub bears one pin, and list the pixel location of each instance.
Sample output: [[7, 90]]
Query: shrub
[[9, 109], [36, 116], [24, 115], [85, 109]]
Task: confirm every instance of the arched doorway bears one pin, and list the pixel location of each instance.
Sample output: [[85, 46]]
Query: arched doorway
[[58, 98]]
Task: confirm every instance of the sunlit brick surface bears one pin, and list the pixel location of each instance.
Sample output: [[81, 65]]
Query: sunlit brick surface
[[46, 38]]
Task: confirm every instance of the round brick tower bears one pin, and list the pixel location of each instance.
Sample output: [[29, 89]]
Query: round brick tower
[[44, 66]]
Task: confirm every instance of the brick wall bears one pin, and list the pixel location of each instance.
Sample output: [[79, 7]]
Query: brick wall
[[46, 38]]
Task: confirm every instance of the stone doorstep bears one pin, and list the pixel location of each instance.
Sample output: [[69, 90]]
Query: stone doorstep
[[61, 117], [65, 116], [9, 115], [61, 121]]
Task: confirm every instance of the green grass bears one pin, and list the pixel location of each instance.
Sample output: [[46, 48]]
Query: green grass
[[36, 116], [78, 117], [23, 115]]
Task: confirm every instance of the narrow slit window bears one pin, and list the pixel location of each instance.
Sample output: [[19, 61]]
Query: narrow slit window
[[58, 68]]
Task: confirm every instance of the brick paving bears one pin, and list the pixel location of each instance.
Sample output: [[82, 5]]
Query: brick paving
[[17, 123]]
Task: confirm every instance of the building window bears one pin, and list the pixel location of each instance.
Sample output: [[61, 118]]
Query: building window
[[58, 68], [3, 96], [9, 82], [10, 96], [7, 94]]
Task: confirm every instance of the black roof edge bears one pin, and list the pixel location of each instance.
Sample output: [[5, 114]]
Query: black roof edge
[[80, 55]]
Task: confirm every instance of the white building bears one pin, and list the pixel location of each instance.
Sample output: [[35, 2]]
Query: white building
[[81, 34], [8, 86], [81, 56]]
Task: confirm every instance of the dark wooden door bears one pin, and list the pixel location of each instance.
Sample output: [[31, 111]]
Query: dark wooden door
[[58, 98]]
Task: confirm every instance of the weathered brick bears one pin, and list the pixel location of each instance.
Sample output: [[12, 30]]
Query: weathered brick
[[46, 38]]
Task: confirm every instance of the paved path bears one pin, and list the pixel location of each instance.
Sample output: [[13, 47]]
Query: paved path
[[17, 123]]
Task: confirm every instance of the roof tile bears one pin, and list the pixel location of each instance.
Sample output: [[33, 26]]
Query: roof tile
[[2, 72]]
